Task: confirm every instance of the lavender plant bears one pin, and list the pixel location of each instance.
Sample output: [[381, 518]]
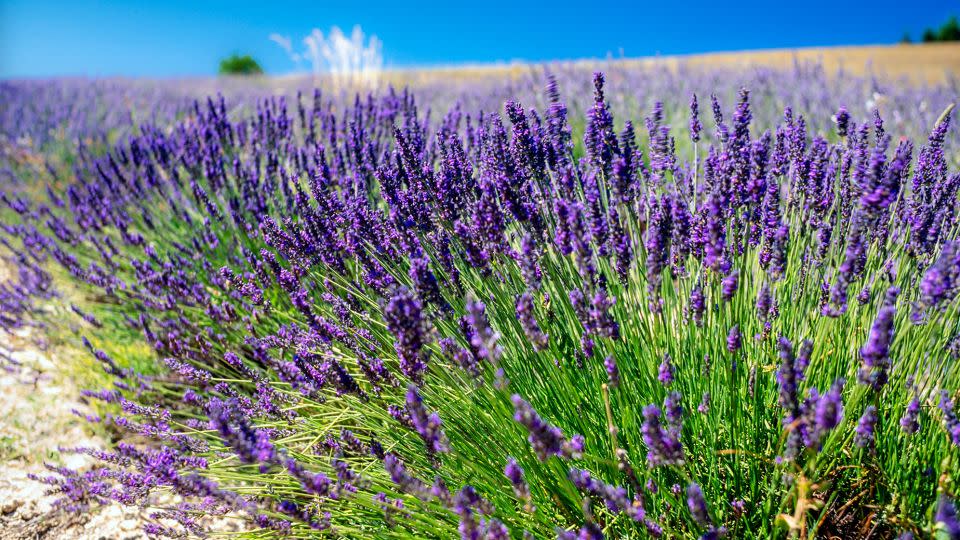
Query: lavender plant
[[371, 324]]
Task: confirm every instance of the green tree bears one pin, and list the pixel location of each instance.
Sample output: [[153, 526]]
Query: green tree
[[236, 64], [950, 31], [929, 35]]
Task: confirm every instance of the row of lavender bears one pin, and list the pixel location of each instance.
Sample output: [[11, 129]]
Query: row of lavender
[[379, 322], [38, 113]]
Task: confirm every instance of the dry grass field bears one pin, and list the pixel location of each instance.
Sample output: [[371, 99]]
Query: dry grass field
[[920, 63], [928, 62]]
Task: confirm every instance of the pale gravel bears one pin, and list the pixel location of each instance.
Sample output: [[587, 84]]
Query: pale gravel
[[35, 419]]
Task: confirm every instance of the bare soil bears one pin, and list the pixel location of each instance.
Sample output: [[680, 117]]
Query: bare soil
[[36, 418]]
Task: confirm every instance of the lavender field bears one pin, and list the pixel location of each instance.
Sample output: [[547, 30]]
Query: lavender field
[[570, 301]]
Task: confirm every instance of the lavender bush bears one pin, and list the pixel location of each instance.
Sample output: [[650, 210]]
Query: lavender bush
[[719, 316]]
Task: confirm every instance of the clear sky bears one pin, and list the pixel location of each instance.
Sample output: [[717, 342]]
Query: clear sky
[[163, 38]]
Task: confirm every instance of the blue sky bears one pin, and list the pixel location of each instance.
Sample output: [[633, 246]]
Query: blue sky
[[160, 38]]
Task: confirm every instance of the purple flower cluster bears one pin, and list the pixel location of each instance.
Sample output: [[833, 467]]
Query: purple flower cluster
[[951, 421], [514, 474], [547, 440], [663, 440], [405, 320], [528, 322], [876, 352], [426, 424]]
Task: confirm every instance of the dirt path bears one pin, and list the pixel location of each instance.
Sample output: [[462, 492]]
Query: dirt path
[[36, 418]]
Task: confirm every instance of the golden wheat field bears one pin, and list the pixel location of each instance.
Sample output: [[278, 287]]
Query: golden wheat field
[[920, 63]]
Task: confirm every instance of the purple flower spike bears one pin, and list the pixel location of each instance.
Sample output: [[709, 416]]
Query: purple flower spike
[[866, 428], [515, 475], [673, 408], [695, 125], [698, 505], [842, 118], [876, 352], [483, 339], [704, 406], [425, 282], [697, 305], [828, 413], [665, 373], [404, 480], [728, 286], [615, 498], [941, 281], [739, 508], [403, 315], [528, 322], [947, 517], [546, 440], [910, 421], [951, 422], [734, 339], [613, 373], [428, 425], [663, 443]]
